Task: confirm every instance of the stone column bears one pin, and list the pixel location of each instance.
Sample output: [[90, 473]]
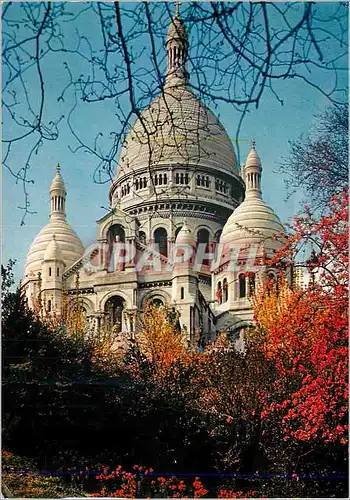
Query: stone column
[[192, 183], [125, 322], [131, 257]]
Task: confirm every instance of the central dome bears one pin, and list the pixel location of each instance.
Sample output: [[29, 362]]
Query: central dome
[[177, 129]]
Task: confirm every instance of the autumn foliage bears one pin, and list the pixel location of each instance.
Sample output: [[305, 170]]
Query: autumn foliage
[[160, 344], [305, 331], [141, 482], [271, 418]]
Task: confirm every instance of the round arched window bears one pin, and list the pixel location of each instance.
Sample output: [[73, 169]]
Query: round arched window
[[161, 239]]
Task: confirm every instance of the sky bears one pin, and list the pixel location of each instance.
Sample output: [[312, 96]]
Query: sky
[[271, 125]]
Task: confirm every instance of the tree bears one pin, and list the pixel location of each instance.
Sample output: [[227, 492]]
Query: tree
[[65, 409], [159, 344], [239, 53], [50, 382], [305, 331], [319, 163]]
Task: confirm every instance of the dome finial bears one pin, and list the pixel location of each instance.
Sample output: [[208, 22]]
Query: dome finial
[[177, 9], [252, 143], [58, 168]]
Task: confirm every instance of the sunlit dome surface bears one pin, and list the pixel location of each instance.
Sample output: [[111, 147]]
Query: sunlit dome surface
[[177, 128], [70, 246]]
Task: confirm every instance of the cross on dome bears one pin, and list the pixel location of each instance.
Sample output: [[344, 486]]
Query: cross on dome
[[177, 9]]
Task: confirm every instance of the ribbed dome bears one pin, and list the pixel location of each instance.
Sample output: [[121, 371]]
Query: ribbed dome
[[253, 222], [181, 130], [69, 244], [185, 236], [53, 251]]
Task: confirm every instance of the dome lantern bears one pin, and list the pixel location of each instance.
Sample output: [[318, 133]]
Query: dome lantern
[[57, 240], [252, 174], [58, 196], [176, 45], [253, 222]]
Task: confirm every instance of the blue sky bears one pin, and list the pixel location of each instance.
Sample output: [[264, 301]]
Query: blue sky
[[271, 125]]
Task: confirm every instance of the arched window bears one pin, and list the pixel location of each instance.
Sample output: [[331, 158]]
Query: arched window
[[58, 272], [207, 182], [114, 313], [157, 302], [160, 181], [128, 188], [49, 271], [49, 305], [224, 290], [144, 182], [203, 180], [217, 235], [156, 180], [198, 180], [136, 184], [115, 234], [165, 179], [116, 231], [161, 239], [203, 237], [182, 293], [186, 179], [219, 293], [251, 284], [181, 178], [177, 178], [142, 237], [242, 286], [217, 184]]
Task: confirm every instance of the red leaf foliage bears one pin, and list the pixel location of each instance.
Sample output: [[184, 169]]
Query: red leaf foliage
[[305, 330]]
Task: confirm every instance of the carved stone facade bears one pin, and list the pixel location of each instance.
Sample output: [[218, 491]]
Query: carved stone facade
[[177, 183]]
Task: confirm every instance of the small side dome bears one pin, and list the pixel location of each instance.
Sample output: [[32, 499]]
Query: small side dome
[[57, 237], [53, 251], [185, 236], [253, 222], [70, 246]]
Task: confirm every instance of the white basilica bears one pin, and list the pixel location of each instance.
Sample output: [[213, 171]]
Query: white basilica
[[177, 184]]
